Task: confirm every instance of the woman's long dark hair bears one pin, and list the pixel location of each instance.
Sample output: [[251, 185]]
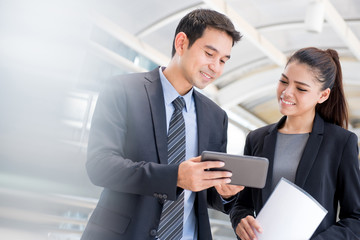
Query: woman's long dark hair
[[326, 67]]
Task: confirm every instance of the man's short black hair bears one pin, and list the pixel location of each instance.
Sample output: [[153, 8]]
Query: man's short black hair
[[194, 24]]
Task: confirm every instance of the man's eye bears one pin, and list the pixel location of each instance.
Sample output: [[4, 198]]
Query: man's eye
[[208, 54]]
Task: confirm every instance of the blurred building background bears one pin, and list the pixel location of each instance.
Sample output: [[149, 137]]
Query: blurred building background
[[55, 55]]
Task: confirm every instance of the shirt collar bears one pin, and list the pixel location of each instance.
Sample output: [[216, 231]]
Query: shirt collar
[[170, 93]]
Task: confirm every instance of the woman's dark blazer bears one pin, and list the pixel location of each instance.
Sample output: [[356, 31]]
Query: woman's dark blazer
[[328, 170]]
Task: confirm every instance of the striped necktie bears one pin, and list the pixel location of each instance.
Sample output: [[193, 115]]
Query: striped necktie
[[171, 220]]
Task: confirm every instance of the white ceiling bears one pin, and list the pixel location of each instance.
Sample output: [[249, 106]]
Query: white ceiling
[[272, 30]]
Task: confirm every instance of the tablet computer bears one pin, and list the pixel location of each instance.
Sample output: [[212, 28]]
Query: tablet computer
[[248, 171]]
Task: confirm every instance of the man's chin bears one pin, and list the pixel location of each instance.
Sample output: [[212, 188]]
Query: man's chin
[[203, 85]]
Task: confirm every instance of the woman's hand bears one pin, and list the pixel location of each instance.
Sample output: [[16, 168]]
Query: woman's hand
[[245, 229], [227, 190]]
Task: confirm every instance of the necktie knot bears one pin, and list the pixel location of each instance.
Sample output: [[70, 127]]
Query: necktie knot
[[179, 103]]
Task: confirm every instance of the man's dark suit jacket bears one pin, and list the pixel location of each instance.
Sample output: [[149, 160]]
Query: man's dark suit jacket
[[328, 171], [128, 140]]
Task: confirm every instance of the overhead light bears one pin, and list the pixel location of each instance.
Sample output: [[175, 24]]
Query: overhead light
[[315, 14]]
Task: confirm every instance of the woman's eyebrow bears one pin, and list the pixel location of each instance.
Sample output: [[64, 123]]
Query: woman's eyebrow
[[298, 82]]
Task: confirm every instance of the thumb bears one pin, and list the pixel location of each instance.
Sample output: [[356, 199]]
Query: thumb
[[196, 159]]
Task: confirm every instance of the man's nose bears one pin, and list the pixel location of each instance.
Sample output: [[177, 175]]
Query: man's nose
[[215, 66]]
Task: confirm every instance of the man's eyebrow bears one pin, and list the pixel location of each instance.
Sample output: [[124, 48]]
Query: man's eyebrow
[[215, 50], [298, 82]]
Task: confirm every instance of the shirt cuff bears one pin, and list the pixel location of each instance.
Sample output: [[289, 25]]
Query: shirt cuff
[[229, 200]]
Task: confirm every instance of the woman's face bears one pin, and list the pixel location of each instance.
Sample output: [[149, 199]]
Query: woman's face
[[298, 91]]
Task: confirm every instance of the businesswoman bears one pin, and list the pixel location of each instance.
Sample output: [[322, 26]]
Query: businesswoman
[[309, 146]]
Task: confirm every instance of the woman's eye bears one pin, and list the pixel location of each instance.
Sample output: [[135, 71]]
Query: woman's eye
[[302, 90], [282, 81]]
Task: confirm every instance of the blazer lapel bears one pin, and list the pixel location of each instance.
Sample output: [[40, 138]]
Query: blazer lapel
[[202, 123], [269, 152], [157, 108], [310, 152]]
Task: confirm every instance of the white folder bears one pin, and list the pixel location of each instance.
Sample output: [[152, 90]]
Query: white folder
[[289, 213]]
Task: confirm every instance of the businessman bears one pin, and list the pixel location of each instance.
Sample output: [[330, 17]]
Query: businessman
[[147, 133]]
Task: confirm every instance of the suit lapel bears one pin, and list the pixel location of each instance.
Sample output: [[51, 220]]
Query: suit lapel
[[269, 152], [202, 123], [310, 152], [157, 108]]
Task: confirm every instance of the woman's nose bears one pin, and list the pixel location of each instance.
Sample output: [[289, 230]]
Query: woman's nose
[[287, 92]]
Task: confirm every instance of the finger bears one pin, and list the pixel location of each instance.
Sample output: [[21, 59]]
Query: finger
[[248, 228], [238, 231], [196, 159], [241, 232], [217, 174], [230, 190], [215, 182], [231, 187], [236, 188], [212, 164], [206, 184], [221, 189], [255, 224], [226, 188]]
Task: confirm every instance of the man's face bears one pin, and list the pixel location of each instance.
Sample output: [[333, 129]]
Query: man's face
[[204, 61]]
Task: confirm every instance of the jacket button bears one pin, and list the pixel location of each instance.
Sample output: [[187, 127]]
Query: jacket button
[[153, 232]]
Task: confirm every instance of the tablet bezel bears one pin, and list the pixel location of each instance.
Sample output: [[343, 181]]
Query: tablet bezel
[[248, 171]]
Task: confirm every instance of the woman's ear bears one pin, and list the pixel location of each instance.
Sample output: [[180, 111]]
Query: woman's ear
[[180, 43], [324, 95]]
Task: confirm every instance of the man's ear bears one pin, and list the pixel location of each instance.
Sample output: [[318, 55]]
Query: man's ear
[[324, 95], [181, 43]]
